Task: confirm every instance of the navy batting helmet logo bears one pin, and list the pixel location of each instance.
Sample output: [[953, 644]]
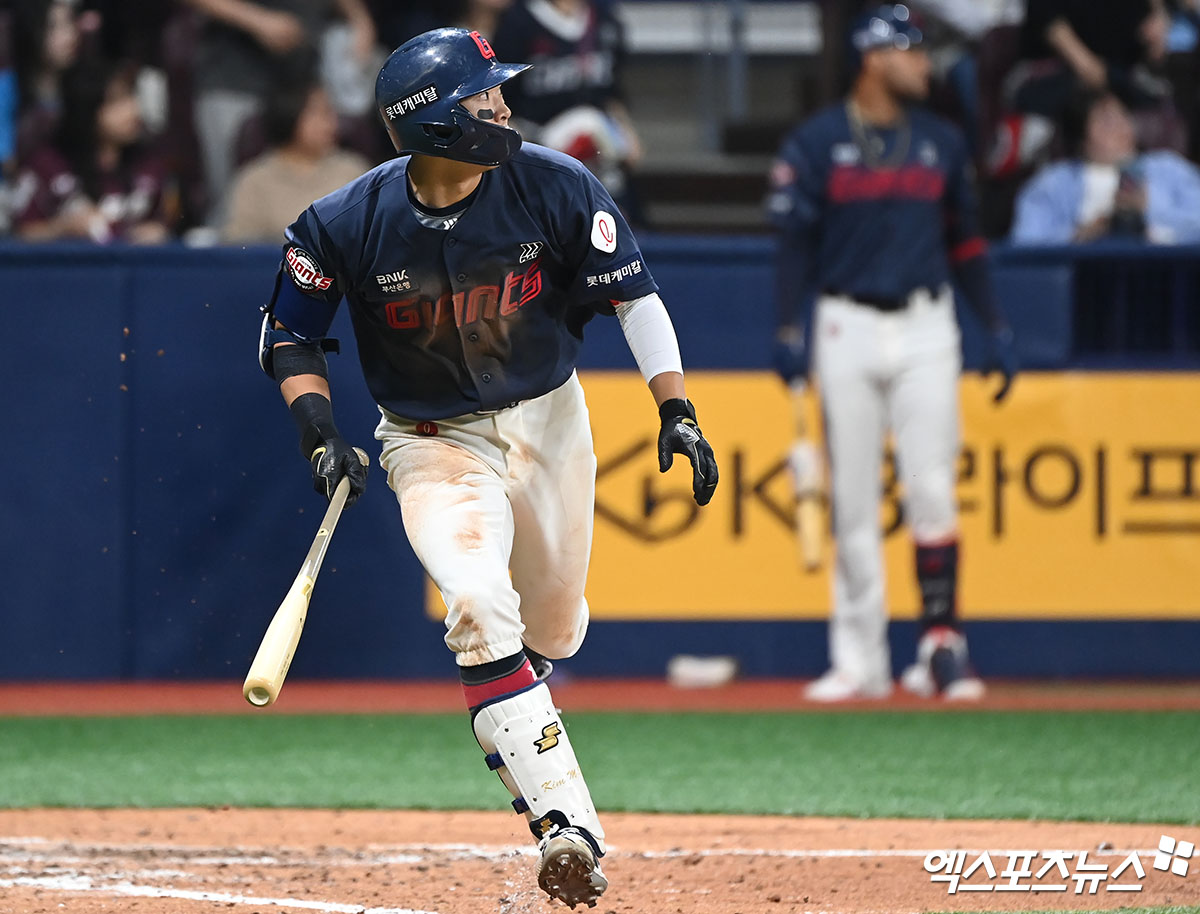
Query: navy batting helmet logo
[[420, 89]]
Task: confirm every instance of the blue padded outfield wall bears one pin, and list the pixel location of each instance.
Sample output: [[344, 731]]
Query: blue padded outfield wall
[[156, 509]]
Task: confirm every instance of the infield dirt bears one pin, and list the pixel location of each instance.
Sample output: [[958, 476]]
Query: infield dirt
[[191, 861]]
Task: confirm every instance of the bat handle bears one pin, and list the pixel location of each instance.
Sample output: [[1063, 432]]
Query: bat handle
[[258, 696]]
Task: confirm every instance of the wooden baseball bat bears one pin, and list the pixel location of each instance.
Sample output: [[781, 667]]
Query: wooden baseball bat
[[805, 464], [274, 657]]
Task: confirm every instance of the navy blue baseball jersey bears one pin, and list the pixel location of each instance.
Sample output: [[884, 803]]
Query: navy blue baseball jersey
[[468, 309], [873, 213]]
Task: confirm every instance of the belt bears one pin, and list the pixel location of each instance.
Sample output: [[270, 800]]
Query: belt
[[880, 302], [498, 409]]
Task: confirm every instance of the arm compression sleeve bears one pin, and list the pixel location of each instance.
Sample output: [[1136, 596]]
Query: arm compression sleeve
[[651, 335]]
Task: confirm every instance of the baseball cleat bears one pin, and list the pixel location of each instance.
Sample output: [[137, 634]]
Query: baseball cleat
[[568, 869], [838, 685], [943, 668]]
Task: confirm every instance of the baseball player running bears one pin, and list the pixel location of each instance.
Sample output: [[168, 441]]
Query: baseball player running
[[470, 265], [876, 213]]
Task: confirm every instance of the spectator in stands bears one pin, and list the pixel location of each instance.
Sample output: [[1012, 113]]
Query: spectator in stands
[[304, 163], [1109, 190], [47, 38], [130, 29], [98, 180], [953, 30], [246, 47], [8, 116], [482, 16], [8, 95], [1092, 45], [571, 99], [398, 22]]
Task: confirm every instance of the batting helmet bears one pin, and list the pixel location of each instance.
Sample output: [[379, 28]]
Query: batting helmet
[[421, 86], [889, 26]]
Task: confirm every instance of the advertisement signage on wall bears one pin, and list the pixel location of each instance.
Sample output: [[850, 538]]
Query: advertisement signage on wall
[[1079, 498]]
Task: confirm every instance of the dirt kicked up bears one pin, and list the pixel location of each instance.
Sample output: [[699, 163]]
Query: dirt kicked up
[[254, 861]]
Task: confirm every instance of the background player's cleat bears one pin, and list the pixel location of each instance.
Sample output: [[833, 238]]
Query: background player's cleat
[[568, 869], [838, 685], [943, 668]]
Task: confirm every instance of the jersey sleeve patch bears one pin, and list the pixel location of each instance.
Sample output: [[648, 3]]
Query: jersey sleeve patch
[[631, 269], [604, 232], [304, 270]]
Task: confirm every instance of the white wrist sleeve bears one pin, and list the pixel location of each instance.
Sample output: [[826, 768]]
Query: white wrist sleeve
[[650, 335]]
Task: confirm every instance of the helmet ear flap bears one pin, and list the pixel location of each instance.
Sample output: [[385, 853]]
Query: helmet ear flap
[[442, 134]]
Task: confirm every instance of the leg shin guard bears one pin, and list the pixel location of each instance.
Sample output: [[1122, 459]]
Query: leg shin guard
[[937, 576], [526, 744]]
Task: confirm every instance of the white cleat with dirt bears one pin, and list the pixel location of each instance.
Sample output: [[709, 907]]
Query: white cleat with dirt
[[568, 869], [837, 685]]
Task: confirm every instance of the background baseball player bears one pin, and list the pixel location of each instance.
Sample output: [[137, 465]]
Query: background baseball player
[[874, 201], [470, 266]]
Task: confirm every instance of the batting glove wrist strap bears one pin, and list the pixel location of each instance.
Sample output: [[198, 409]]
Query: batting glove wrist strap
[[313, 415], [675, 409]]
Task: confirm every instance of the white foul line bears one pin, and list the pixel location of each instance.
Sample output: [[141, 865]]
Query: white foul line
[[85, 884]]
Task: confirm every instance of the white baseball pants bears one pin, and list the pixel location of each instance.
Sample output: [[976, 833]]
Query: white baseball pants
[[498, 508], [881, 370]]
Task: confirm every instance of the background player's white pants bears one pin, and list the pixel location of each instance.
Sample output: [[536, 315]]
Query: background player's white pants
[[879, 370], [488, 494]]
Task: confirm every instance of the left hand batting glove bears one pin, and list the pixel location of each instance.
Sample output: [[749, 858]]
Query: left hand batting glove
[[1002, 358], [681, 435], [332, 460]]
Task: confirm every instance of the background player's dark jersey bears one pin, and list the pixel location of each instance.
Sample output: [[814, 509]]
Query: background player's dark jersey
[[565, 73], [869, 230], [484, 314]]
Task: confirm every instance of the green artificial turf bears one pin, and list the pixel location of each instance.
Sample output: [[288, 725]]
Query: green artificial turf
[[1119, 766]]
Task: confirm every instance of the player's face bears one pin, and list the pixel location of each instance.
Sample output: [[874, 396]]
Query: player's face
[[489, 106], [905, 73]]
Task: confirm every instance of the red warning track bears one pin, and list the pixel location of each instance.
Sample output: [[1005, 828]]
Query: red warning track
[[374, 697]]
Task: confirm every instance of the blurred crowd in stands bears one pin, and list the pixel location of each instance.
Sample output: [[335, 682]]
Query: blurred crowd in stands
[[143, 121]]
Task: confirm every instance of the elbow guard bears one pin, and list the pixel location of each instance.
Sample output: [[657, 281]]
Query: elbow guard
[[305, 357]]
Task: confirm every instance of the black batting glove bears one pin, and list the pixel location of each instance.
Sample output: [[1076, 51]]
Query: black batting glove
[[332, 460], [681, 435], [330, 454]]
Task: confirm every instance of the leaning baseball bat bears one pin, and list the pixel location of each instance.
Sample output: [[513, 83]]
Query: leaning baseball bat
[[805, 464], [274, 657]]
